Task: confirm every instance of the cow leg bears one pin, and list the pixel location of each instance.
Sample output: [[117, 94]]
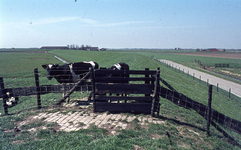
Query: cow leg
[[90, 96], [68, 99]]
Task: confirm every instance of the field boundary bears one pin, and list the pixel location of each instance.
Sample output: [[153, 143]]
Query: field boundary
[[170, 94], [228, 86], [212, 54]]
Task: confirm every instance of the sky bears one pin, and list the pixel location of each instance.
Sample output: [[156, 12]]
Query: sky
[[121, 23]]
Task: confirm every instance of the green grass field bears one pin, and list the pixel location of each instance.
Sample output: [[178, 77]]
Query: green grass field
[[97, 138], [189, 61]]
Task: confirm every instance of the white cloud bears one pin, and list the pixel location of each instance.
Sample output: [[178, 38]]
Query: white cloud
[[52, 20], [90, 21], [39, 22], [125, 23]]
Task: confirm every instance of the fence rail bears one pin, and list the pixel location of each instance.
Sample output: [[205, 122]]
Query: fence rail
[[105, 101], [168, 93], [221, 65], [45, 89]]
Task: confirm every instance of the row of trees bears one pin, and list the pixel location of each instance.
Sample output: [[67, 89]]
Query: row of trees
[[77, 47]]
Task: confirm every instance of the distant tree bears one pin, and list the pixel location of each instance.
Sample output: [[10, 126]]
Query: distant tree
[[198, 50], [224, 50]]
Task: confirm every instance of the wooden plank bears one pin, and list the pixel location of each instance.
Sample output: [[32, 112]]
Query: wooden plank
[[121, 79], [80, 82], [115, 98], [123, 107], [124, 88], [101, 72]]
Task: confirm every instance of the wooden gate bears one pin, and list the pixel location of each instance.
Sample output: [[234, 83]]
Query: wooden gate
[[125, 91]]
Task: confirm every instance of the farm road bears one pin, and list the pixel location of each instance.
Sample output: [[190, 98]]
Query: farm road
[[224, 84]]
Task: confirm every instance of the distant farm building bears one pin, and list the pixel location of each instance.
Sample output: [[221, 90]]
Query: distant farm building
[[92, 48], [54, 47], [103, 49], [210, 50], [213, 50], [88, 48]]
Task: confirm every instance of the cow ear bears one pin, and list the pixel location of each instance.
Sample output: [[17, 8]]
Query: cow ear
[[44, 66]]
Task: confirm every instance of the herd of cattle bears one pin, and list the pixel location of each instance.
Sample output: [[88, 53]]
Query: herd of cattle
[[70, 73], [73, 72]]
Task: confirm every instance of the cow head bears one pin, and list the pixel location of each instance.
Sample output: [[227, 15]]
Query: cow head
[[52, 70], [116, 67]]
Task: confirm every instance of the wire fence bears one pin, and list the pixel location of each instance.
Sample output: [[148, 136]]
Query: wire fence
[[189, 114], [225, 92], [223, 102], [21, 93]]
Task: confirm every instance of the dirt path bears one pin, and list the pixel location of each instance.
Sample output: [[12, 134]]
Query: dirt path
[[224, 84]]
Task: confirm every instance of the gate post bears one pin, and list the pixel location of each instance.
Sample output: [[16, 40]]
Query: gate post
[[147, 76], [37, 87], [155, 101], [4, 96], [91, 70]]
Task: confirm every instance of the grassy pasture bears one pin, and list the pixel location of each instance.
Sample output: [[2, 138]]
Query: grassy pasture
[[95, 138], [14, 64], [189, 61]]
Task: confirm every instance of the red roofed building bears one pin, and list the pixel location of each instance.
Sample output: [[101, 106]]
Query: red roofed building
[[213, 50]]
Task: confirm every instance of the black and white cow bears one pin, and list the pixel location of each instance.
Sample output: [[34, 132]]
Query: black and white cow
[[120, 66], [12, 101], [69, 73]]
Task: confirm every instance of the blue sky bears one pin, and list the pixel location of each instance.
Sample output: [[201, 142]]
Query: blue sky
[[121, 23]]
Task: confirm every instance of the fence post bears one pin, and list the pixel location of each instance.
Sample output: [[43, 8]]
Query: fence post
[[193, 76], [158, 93], [229, 95], [209, 109], [4, 96], [200, 79], [155, 101], [91, 71], [207, 82], [147, 81], [37, 87], [217, 87]]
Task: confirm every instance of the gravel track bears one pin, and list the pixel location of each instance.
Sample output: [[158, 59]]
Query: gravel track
[[224, 84]]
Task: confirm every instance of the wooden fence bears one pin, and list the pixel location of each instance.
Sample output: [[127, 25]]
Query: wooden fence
[[131, 97], [221, 65], [143, 97]]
